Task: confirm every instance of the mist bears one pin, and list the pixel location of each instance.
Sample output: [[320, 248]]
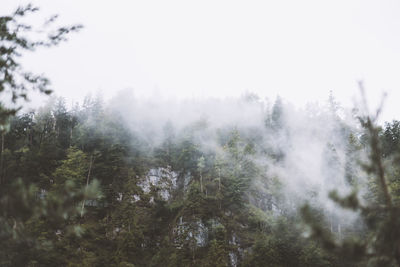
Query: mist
[[305, 149]]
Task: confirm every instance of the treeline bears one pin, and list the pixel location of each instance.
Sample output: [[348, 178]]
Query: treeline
[[79, 187]]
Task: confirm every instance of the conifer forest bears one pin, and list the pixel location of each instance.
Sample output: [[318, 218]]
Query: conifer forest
[[240, 181]]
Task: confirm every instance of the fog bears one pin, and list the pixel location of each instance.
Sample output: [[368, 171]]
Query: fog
[[298, 50], [307, 149]]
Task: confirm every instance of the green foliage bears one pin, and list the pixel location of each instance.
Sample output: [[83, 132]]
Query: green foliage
[[379, 245], [177, 205], [34, 217]]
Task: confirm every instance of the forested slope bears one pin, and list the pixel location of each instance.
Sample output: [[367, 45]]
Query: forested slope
[[196, 195]]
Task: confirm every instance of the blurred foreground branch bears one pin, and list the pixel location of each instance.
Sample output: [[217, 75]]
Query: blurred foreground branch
[[379, 245]]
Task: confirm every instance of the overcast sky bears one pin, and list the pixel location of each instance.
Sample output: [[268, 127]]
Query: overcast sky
[[298, 49]]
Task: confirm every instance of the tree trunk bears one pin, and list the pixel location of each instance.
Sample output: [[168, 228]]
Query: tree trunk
[[1, 157], [87, 182], [70, 138], [201, 183], [219, 180]]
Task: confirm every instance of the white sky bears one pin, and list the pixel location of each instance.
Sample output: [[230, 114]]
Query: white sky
[[299, 50]]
